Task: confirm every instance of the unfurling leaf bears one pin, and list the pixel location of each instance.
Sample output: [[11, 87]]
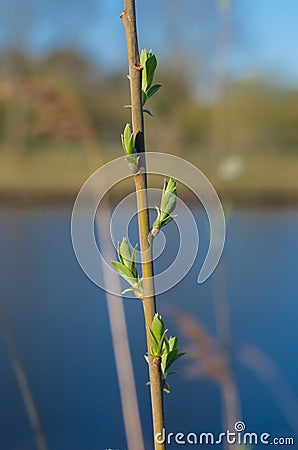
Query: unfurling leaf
[[163, 348], [128, 144], [126, 267], [157, 326], [167, 206], [124, 272], [149, 63], [127, 257], [127, 139]]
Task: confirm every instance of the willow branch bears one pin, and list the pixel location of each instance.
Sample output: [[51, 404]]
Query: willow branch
[[135, 74]]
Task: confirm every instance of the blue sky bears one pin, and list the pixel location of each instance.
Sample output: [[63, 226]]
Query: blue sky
[[271, 44], [263, 41]]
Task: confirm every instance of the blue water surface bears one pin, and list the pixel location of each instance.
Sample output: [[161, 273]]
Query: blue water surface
[[59, 323]]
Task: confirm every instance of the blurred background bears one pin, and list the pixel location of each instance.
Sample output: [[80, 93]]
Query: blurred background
[[229, 104]]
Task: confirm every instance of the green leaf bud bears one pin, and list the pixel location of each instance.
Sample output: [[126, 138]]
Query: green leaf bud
[[164, 348], [126, 267], [149, 62], [167, 206], [124, 272], [127, 139], [157, 326]]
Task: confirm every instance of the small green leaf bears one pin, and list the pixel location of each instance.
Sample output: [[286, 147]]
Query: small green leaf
[[169, 197], [133, 160], [153, 89], [125, 272], [162, 347], [126, 267], [167, 345], [171, 358], [124, 252], [166, 220], [173, 343], [127, 257], [131, 145], [127, 133], [159, 349], [158, 335], [143, 57], [127, 139], [154, 341], [167, 206], [157, 326], [148, 112], [151, 65]]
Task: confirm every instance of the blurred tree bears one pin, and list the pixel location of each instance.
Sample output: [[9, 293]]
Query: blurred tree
[[40, 99]]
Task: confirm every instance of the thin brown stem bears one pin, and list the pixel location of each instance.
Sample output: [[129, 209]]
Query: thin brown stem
[[149, 305]]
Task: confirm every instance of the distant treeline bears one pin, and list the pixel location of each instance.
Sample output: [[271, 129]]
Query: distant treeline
[[63, 97]]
